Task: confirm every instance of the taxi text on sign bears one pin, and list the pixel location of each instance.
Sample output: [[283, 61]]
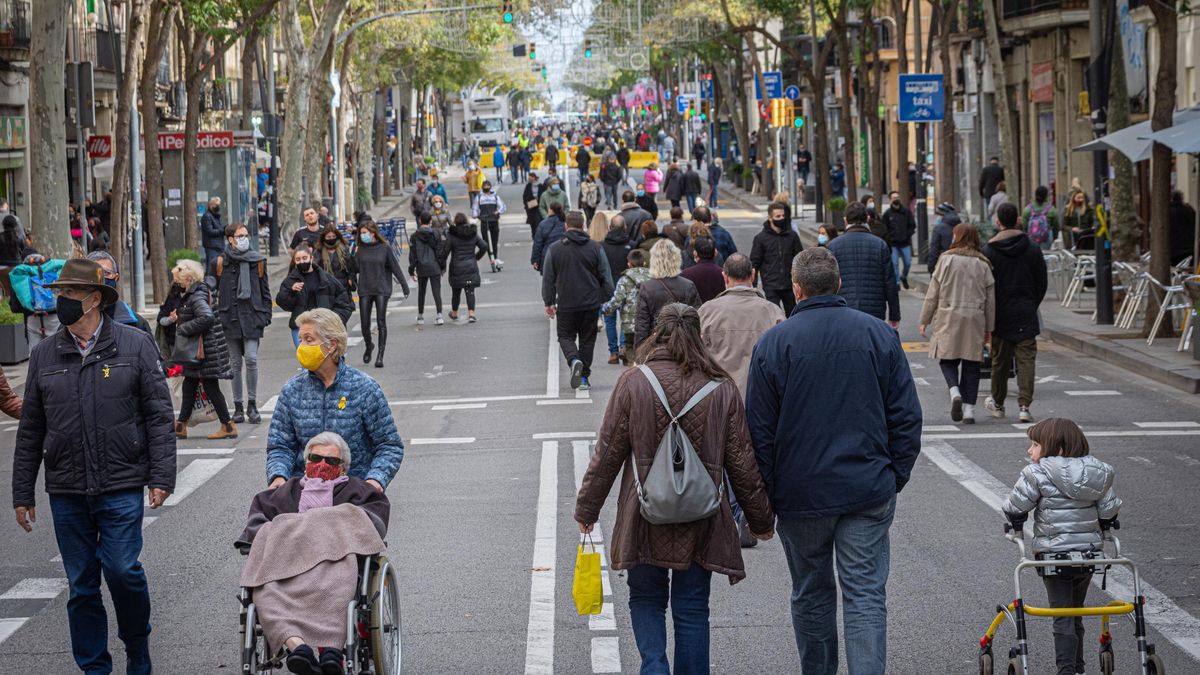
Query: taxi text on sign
[[922, 98]]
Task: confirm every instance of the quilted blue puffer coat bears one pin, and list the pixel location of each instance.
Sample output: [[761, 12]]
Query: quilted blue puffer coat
[[354, 406], [868, 278]]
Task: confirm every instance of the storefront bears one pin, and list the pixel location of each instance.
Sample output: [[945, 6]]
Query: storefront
[[13, 139]]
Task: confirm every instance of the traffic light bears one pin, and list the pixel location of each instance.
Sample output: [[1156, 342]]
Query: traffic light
[[691, 109], [587, 49], [532, 50], [506, 11], [544, 76], [783, 113], [798, 122], [704, 109]]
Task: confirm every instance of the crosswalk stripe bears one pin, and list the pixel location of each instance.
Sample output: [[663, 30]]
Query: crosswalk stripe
[[606, 655], [1167, 425], [35, 589], [1093, 392], [10, 626], [193, 476]]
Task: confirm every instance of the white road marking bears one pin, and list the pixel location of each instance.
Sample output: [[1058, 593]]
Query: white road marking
[[583, 393], [1052, 378], [1167, 425], [1175, 624], [1022, 425], [193, 476], [1190, 461], [552, 364], [269, 405], [940, 427], [564, 434], [442, 441], [921, 381], [1089, 378], [10, 626], [916, 366], [606, 655], [204, 451], [604, 620], [474, 399], [564, 401], [1090, 433], [1093, 392], [461, 406], [1140, 460], [35, 589], [539, 637], [411, 309]]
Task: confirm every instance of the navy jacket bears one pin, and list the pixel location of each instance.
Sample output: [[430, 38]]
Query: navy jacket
[[868, 278], [549, 231], [856, 449]]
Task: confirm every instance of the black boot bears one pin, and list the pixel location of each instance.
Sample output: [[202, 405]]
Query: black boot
[[382, 345], [332, 662], [367, 353], [252, 412], [239, 415]]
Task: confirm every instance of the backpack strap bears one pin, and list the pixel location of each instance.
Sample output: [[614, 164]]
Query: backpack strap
[[662, 396]]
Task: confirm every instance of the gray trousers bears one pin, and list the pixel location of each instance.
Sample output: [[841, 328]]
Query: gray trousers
[[1068, 590], [248, 350]]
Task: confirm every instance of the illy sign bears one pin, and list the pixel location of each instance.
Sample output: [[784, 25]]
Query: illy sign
[[99, 146], [205, 140]]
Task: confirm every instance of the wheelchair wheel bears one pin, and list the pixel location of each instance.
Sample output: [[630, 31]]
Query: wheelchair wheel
[[386, 644], [1107, 662], [985, 664], [1154, 665]]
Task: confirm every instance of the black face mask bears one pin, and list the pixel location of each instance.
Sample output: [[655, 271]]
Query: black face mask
[[780, 222], [331, 241], [305, 267], [216, 210], [69, 311], [896, 204]]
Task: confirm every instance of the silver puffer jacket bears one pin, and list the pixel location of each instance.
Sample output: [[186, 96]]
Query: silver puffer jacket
[[1069, 496]]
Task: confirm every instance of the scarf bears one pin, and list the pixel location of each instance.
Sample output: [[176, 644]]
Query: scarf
[[244, 261], [316, 493]]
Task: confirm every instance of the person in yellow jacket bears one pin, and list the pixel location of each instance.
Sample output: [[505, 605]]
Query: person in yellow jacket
[[474, 180]]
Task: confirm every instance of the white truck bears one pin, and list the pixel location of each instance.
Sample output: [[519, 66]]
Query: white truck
[[487, 120]]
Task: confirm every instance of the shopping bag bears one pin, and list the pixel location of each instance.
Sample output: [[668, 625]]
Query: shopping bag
[[204, 410], [587, 589]]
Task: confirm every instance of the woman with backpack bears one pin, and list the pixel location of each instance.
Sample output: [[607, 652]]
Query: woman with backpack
[[676, 558], [1041, 219], [466, 249]]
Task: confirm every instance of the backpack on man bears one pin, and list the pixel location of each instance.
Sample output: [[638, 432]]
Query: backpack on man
[[1039, 224], [678, 488]]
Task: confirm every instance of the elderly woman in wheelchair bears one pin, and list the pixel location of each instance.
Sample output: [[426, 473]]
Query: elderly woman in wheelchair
[[304, 539]]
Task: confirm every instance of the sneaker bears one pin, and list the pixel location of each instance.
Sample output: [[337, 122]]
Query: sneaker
[[493, 267], [576, 373], [420, 320], [439, 321], [956, 405], [584, 385], [499, 265], [968, 414], [996, 411], [1025, 416], [471, 318]]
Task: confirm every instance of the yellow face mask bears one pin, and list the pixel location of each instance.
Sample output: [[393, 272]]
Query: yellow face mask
[[310, 356]]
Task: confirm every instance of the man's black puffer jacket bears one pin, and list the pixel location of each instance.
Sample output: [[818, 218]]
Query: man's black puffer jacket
[[102, 423]]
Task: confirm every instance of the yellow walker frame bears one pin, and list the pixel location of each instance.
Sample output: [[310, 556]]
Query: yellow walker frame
[[1016, 611]]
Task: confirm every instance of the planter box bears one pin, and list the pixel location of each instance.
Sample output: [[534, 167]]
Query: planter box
[[14, 344]]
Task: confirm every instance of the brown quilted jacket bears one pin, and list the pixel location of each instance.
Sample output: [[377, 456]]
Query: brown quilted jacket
[[631, 432]]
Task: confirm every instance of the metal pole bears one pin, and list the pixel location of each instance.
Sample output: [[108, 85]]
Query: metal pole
[[269, 105], [334, 171], [1098, 93], [922, 203], [819, 199], [80, 169]]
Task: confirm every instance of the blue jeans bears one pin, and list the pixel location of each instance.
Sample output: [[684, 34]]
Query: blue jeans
[[649, 591], [512, 170], [691, 202], [610, 331], [295, 337], [899, 252], [712, 197], [103, 533], [863, 555]]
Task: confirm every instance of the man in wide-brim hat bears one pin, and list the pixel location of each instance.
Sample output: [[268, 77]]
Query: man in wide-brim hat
[[97, 405]]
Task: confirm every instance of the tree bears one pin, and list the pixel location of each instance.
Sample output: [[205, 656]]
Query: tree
[[1123, 223], [48, 128], [871, 79], [839, 22], [302, 55], [1166, 19], [900, 13], [946, 12], [123, 144], [1008, 137], [161, 14]]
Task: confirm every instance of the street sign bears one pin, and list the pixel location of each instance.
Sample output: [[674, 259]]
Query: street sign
[[922, 98], [764, 110], [792, 93], [681, 103], [99, 146], [706, 90], [772, 80]]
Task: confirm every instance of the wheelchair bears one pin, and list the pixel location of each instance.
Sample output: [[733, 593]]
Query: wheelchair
[[1015, 612], [373, 637]]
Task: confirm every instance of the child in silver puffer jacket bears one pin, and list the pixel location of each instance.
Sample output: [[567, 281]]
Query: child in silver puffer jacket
[[1069, 493]]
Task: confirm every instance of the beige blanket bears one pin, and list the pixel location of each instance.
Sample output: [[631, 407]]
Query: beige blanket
[[303, 568]]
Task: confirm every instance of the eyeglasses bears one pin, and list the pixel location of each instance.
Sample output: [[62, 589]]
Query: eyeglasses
[[331, 461]]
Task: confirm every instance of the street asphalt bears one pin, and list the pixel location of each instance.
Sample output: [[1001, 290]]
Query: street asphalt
[[483, 535]]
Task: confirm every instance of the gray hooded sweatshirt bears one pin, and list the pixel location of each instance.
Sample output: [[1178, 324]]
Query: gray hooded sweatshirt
[[1069, 496]]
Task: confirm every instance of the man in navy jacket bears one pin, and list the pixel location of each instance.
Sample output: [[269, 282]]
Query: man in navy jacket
[[836, 426]]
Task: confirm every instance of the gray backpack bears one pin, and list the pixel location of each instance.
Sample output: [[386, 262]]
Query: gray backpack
[[678, 488]]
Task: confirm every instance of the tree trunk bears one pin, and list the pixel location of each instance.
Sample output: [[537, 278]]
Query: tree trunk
[[249, 59], [874, 89], [159, 23], [947, 172], [1124, 229], [191, 127], [846, 114], [1167, 20], [900, 10], [123, 145], [729, 91], [301, 59], [345, 162], [1008, 137], [365, 160], [49, 195], [318, 128]]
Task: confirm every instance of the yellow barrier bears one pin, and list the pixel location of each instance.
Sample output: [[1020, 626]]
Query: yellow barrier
[[566, 157]]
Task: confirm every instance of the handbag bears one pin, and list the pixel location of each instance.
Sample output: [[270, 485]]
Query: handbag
[[188, 351], [678, 488], [531, 204], [203, 410], [587, 588]]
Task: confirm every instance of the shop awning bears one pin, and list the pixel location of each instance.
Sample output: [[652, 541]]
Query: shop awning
[[1135, 141], [1182, 138]]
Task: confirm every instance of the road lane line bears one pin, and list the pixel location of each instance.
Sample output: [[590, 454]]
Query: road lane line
[[442, 441], [1167, 425], [269, 405], [204, 451], [565, 401], [921, 381], [470, 399], [10, 626], [193, 476], [460, 406], [552, 362], [606, 655], [1093, 392], [1190, 461], [1140, 460], [604, 620], [1175, 624], [583, 393], [564, 434], [940, 427], [35, 589], [539, 636], [1090, 433]]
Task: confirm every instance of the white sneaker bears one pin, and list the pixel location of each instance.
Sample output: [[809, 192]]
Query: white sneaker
[[438, 321], [956, 405], [968, 414], [996, 411], [499, 265], [1025, 416], [420, 320]]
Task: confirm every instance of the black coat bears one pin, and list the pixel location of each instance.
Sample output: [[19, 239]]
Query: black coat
[[900, 226], [673, 185], [377, 266], [617, 247], [989, 178], [427, 254], [772, 253], [329, 294], [242, 319], [1182, 224], [653, 295], [195, 317], [691, 183], [533, 216], [649, 205], [1020, 273], [940, 239], [868, 278], [466, 249], [610, 173], [212, 231], [576, 275], [343, 267], [101, 423]]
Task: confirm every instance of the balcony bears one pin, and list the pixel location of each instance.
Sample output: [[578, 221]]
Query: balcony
[[1024, 16], [15, 23]]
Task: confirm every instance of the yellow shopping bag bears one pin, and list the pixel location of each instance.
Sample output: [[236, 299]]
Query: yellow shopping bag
[[587, 589]]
